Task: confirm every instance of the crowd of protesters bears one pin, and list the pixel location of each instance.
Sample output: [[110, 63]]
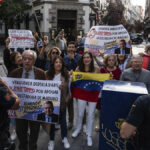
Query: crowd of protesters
[[57, 63]]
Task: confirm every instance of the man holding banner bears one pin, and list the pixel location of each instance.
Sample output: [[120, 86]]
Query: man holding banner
[[30, 72]]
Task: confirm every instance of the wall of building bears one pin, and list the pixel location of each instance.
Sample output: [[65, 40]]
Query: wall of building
[[84, 1], [86, 25]]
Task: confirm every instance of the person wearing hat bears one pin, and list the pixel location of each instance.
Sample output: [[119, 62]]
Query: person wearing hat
[[8, 100]]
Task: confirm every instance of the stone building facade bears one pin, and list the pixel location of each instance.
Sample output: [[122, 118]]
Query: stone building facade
[[54, 15]]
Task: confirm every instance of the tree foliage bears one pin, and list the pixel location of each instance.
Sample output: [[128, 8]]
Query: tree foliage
[[114, 14], [11, 10]]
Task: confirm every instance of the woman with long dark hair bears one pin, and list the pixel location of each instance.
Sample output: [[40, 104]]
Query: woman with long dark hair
[[58, 72], [86, 64]]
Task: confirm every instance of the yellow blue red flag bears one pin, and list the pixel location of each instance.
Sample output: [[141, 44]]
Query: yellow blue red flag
[[87, 86]]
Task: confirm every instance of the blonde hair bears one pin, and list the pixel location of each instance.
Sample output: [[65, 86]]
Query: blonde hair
[[50, 52], [105, 62]]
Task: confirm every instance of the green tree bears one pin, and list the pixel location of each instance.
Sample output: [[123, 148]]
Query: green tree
[[12, 12]]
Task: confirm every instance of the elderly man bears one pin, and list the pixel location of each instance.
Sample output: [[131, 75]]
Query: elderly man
[[136, 73], [138, 120], [30, 72]]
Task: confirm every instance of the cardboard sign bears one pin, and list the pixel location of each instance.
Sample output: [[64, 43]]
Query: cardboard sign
[[36, 97], [105, 38], [21, 38]]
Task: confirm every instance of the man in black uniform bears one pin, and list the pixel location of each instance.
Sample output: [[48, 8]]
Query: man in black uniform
[[138, 120], [8, 100]]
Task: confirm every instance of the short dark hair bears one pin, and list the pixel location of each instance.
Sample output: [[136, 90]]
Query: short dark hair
[[124, 42], [72, 42], [51, 103]]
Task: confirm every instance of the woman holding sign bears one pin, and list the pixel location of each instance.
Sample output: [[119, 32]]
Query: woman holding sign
[[58, 72], [86, 64]]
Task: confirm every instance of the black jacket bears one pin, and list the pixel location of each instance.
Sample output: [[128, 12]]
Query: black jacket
[[127, 50], [41, 117]]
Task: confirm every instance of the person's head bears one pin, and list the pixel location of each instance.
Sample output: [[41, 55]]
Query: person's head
[[54, 51], [79, 38], [86, 61], [35, 34], [48, 108], [122, 44], [16, 58], [63, 30], [7, 41], [110, 60], [85, 34], [29, 58], [71, 46], [121, 58], [136, 62], [45, 39], [57, 66], [61, 35], [147, 49]]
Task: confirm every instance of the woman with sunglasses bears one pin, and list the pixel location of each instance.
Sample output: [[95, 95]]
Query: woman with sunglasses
[[54, 51], [86, 64], [58, 72]]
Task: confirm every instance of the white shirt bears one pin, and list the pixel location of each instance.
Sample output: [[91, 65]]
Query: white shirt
[[57, 77], [31, 74]]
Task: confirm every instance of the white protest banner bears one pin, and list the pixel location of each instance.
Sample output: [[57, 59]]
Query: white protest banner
[[21, 38], [39, 99], [105, 38]]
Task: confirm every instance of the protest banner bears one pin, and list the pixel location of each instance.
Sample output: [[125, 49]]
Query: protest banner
[[21, 38], [87, 86], [105, 38], [40, 100], [117, 99]]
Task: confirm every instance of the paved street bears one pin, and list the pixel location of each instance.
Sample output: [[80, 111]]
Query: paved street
[[78, 143]]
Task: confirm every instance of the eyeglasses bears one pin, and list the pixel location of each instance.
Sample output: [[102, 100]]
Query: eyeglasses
[[55, 53]]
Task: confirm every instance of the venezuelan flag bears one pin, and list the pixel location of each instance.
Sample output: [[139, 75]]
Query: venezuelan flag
[[87, 86], [146, 62]]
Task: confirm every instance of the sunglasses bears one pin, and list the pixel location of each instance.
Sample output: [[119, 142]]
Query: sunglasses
[[55, 53]]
